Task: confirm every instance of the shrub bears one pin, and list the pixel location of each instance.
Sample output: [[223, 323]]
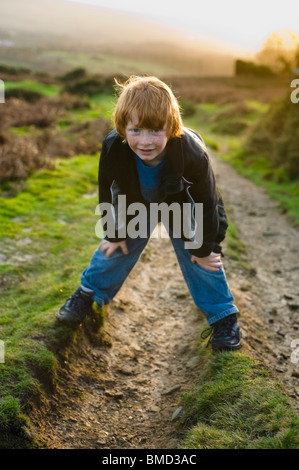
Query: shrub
[[276, 137], [188, 108], [24, 94], [91, 86], [75, 74], [10, 70], [21, 155], [243, 67]]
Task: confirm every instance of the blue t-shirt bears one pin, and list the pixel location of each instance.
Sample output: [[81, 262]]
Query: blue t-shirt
[[149, 178]]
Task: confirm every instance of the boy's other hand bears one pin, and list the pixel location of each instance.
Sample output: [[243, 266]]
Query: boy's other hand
[[211, 262], [108, 248]]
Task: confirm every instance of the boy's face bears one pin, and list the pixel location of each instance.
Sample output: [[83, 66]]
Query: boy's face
[[148, 144]]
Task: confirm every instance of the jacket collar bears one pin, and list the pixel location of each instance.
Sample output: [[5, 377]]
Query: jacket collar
[[122, 161]]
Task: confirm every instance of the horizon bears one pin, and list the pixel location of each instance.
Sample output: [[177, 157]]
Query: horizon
[[133, 38], [206, 23]]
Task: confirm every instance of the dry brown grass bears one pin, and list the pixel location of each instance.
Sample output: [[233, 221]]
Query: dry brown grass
[[43, 113], [224, 90], [20, 155]]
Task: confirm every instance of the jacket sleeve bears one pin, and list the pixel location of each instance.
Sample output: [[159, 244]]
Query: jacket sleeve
[[111, 216], [204, 191], [103, 180]]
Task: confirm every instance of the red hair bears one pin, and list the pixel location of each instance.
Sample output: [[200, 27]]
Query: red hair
[[154, 103]]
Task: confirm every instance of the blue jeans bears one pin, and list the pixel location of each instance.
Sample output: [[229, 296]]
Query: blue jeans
[[209, 290]]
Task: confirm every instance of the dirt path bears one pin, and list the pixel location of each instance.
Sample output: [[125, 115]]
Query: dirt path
[[269, 298], [132, 389]]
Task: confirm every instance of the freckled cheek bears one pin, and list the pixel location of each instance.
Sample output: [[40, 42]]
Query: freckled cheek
[[163, 143], [132, 141]]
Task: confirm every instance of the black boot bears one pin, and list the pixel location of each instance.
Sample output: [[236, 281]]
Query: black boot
[[76, 307], [225, 334]]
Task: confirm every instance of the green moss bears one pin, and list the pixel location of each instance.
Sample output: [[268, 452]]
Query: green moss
[[236, 405]]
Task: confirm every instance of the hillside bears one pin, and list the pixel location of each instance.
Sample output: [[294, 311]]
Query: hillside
[[49, 35]]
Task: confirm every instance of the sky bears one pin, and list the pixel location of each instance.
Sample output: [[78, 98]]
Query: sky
[[243, 24]]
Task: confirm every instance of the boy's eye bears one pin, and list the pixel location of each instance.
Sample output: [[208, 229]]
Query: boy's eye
[[157, 131], [136, 131], [133, 130]]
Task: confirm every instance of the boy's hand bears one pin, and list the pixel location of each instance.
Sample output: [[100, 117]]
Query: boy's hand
[[108, 248], [211, 262]]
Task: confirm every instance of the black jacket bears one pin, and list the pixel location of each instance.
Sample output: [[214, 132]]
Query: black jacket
[[187, 173]]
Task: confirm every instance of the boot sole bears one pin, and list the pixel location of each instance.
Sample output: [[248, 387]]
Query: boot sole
[[227, 348]]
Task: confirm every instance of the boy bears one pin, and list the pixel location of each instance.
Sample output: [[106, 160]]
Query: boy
[[149, 159]]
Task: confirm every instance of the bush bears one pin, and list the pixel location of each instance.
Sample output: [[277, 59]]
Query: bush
[[188, 108], [17, 112], [276, 137], [45, 112], [13, 70], [75, 74], [91, 86], [232, 127], [232, 120], [22, 155], [243, 67], [23, 94]]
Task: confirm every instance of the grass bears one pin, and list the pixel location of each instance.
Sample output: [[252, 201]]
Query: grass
[[55, 214], [276, 182], [101, 105], [234, 248], [24, 131], [237, 405], [48, 90], [104, 104], [227, 142]]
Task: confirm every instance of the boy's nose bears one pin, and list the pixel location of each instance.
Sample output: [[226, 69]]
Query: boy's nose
[[146, 138]]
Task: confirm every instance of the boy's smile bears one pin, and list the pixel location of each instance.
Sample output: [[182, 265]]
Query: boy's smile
[[148, 144]]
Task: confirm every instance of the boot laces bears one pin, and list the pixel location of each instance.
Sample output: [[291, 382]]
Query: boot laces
[[224, 326], [77, 298]]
